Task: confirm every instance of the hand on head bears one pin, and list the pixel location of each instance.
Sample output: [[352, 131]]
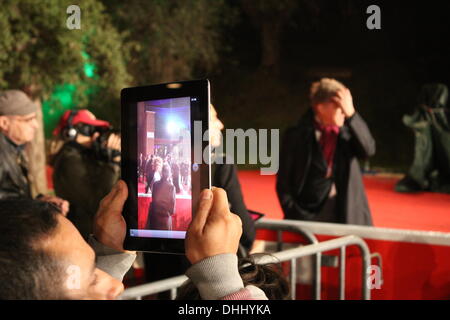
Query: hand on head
[[344, 100]]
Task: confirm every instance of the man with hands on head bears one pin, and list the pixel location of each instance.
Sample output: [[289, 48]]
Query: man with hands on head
[[319, 178], [51, 260]]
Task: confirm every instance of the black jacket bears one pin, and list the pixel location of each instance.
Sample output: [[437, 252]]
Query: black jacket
[[354, 142], [225, 176], [162, 206], [83, 179], [14, 181]]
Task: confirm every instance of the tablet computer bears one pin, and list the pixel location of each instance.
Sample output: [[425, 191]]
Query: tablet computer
[[164, 145]]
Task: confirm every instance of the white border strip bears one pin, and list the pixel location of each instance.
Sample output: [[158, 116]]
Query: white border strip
[[365, 232], [178, 196], [166, 234]]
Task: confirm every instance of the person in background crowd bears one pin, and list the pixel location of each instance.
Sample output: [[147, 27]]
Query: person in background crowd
[[86, 167], [430, 170], [18, 127], [148, 171], [319, 178], [184, 172], [225, 176], [154, 168], [175, 175], [141, 166], [163, 205]]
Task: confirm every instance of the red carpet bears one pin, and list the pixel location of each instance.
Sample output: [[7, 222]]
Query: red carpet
[[181, 218], [390, 209]]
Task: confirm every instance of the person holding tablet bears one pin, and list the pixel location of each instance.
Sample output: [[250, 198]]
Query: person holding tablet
[[57, 253]]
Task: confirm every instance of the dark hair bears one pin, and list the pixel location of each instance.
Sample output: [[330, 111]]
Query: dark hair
[[27, 271], [267, 277]]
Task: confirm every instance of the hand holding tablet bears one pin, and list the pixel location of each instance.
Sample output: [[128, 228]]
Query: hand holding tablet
[[109, 224], [214, 229]]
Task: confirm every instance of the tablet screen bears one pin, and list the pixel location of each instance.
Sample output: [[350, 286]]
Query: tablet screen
[[164, 165]]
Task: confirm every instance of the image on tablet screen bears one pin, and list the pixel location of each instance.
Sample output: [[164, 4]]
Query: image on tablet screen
[[164, 168]]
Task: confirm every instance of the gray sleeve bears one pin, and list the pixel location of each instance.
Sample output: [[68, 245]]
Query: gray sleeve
[[113, 262], [217, 276]]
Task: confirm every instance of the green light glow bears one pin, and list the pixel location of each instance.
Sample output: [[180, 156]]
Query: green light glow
[[62, 98], [89, 68]]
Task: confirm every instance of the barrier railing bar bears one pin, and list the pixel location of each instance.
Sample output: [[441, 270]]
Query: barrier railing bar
[[321, 247], [173, 293], [274, 225], [153, 287], [317, 276], [342, 274], [293, 278], [377, 256]]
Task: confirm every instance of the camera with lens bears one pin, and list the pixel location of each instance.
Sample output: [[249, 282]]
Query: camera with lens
[[100, 144]]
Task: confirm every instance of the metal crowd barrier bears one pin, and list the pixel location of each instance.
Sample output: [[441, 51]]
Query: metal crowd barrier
[[286, 255], [280, 228], [148, 289], [338, 243]]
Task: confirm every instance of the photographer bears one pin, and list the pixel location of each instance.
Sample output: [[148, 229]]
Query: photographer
[[87, 166]]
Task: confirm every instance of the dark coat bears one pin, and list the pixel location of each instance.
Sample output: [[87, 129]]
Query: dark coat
[[149, 174], [14, 181], [176, 176], [162, 207], [354, 142], [83, 179], [225, 176]]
